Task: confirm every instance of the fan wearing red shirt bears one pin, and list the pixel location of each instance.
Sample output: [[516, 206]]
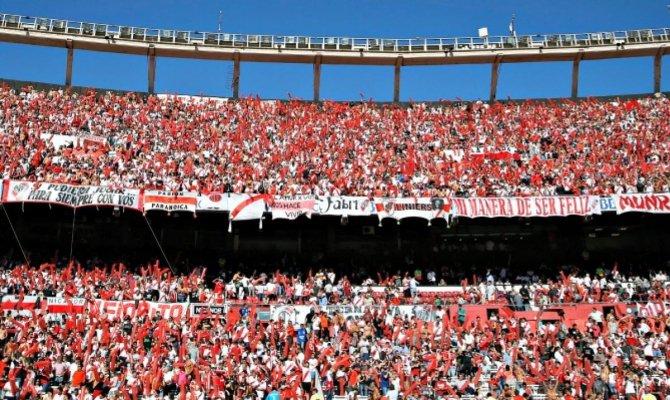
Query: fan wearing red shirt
[[287, 393], [441, 385]]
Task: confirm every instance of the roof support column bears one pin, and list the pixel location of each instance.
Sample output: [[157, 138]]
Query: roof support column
[[236, 75], [396, 79], [574, 93], [68, 64], [317, 77], [495, 70], [151, 69], [658, 59]]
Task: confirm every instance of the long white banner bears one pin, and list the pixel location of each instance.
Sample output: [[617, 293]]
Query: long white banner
[[252, 206], [297, 314], [549, 206], [70, 195]]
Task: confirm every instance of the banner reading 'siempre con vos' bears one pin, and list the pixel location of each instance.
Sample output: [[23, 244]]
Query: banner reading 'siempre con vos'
[[70, 195]]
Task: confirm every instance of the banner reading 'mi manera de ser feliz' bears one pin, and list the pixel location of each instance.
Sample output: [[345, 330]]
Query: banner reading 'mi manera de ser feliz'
[[548, 206]]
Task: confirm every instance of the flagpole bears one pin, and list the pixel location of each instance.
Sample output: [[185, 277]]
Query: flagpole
[[74, 216]]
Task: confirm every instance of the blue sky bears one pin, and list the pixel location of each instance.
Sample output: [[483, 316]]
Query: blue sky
[[374, 18]]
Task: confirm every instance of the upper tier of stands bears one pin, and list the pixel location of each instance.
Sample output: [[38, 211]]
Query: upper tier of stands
[[475, 149]]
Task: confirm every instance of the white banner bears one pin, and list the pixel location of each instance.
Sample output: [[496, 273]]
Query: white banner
[[252, 206], [291, 207], [550, 206], [170, 201], [423, 312], [60, 305], [293, 314], [436, 290], [344, 206], [245, 207], [297, 314], [419, 207], [214, 201], [658, 203], [70, 195]]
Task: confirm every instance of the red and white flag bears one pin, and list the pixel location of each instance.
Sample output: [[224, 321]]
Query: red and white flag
[[651, 309]]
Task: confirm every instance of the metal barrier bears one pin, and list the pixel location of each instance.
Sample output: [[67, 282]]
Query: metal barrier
[[174, 36]]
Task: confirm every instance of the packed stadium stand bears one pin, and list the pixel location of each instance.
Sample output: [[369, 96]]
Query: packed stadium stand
[[182, 247], [288, 148], [110, 332], [470, 313]]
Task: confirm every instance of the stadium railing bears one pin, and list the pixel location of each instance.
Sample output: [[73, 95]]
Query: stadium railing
[[153, 35]]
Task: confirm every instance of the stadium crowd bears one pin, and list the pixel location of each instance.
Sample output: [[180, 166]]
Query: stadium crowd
[[476, 149], [381, 355], [153, 283]]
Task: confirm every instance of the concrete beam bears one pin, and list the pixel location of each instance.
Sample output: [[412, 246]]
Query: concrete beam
[[330, 57], [317, 77], [658, 60], [68, 65], [396, 79], [495, 70], [236, 75], [574, 92], [151, 69]]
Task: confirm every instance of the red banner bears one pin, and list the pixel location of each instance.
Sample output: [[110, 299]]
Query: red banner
[[119, 309]]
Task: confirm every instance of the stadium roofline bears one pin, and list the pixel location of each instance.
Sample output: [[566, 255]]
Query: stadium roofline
[[336, 50]]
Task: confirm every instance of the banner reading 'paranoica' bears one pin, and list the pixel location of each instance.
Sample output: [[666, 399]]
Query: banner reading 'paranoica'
[[170, 201]]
